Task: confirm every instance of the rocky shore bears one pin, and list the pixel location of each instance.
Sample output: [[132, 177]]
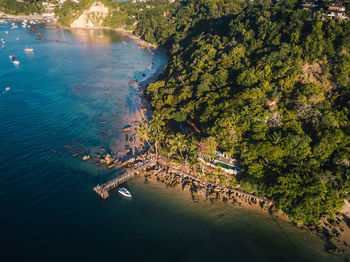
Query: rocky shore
[[186, 180], [334, 232]]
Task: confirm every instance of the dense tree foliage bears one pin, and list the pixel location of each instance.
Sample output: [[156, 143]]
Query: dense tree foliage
[[271, 85], [20, 8]]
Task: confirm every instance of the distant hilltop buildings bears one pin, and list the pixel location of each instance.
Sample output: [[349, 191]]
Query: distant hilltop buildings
[[334, 9]]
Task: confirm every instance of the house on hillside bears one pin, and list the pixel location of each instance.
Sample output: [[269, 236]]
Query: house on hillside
[[49, 7], [217, 159], [335, 9]]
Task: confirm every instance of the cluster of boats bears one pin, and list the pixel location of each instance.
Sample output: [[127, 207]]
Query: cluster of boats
[[25, 22], [123, 191], [12, 58], [27, 50]]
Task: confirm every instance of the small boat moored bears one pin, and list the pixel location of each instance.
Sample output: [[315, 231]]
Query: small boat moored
[[28, 50], [123, 191], [16, 62], [12, 57]]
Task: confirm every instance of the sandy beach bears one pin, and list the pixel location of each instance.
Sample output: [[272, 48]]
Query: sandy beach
[[122, 31], [134, 37], [142, 115]]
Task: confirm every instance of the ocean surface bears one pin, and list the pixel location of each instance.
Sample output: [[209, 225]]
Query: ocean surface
[[48, 210]]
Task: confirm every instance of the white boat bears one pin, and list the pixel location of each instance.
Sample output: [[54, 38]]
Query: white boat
[[16, 62], [7, 89], [123, 191], [28, 50]]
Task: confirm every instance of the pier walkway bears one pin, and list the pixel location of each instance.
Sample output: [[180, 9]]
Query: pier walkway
[[103, 189]]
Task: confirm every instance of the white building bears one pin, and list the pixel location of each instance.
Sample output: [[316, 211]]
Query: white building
[[62, 1]]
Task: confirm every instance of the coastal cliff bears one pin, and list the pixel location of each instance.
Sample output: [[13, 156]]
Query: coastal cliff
[[92, 17]]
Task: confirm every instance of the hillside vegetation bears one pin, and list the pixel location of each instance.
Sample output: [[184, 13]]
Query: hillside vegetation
[[14, 7], [270, 86]]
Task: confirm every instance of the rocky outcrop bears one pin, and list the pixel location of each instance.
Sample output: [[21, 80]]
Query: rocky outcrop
[[91, 18], [201, 190]]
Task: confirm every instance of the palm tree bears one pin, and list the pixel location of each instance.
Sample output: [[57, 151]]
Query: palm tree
[[156, 125], [179, 143], [143, 132], [276, 138], [192, 149], [168, 149]]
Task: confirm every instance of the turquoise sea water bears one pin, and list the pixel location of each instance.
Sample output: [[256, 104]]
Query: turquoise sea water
[[48, 211]]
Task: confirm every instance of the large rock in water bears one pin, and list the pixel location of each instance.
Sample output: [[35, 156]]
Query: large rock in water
[[333, 249], [91, 18]]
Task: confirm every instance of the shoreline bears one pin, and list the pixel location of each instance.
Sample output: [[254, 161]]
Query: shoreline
[[123, 31], [335, 236], [130, 34], [143, 114], [29, 17], [325, 231]]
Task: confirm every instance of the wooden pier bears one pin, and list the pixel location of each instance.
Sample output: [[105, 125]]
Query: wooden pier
[[103, 189]]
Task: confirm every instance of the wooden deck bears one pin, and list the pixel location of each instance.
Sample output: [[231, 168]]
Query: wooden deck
[[103, 189]]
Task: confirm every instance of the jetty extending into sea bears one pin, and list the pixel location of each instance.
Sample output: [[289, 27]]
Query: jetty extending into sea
[[103, 189]]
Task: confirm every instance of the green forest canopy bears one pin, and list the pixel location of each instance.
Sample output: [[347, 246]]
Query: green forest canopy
[[271, 85]]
